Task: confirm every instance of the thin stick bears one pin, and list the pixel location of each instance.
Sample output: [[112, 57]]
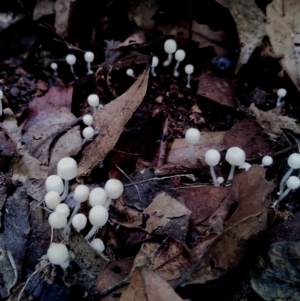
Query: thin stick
[[163, 144], [13, 264]]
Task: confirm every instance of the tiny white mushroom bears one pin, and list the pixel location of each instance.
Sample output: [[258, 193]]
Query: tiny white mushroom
[[220, 180], [179, 57], [170, 47], [1, 107], [89, 57], [192, 136], [52, 199], [154, 64], [235, 156], [98, 245], [280, 93], [54, 68], [292, 183], [130, 72], [58, 254], [57, 220], [245, 165], [294, 163], [266, 161], [54, 183], [212, 158], [79, 221], [67, 170], [93, 101], [71, 60], [63, 208], [113, 188], [98, 217], [88, 119], [97, 197], [88, 133], [189, 69]]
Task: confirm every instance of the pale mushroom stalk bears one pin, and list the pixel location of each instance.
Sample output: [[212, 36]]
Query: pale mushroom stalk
[[155, 62], [235, 156], [92, 232], [1, 107], [71, 60], [281, 93], [283, 180], [192, 136], [113, 188], [89, 57], [213, 175], [231, 173], [54, 68], [192, 155], [98, 216], [189, 69]]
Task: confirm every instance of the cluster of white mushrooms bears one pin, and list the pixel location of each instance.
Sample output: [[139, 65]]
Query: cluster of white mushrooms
[[99, 200]]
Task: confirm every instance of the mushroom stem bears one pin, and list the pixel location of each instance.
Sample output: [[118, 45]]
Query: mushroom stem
[[73, 72], [283, 180], [188, 85], [91, 233], [107, 203], [213, 175], [51, 238], [77, 206], [1, 108], [94, 110], [176, 73], [89, 68], [168, 61], [231, 173], [153, 71], [192, 158], [66, 190]]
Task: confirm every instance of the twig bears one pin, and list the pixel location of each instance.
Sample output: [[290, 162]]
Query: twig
[[163, 144], [13, 264]]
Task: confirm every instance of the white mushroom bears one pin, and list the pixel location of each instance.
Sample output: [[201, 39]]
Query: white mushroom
[[52, 199], [235, 156], [93, 101], [58, 254], [154, 64], [98, 217], [54, 183], [266, 161], [54, 68], [97, 197], [189, 69], [79, 221], [192, 136], [280, 93], [89, 57], [212, 158], [130, 72], [113, 188], [179, 57], [170, 47], [71, 60]]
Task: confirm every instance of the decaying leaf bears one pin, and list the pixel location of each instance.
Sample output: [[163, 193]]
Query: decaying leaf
[[275, 275], [62, 9], [111, 121], [283, 28], [249, 20], [146, 285], [217, 89], [247, 135], [273, 123], [249, 195], [43, 8], [178, 150]]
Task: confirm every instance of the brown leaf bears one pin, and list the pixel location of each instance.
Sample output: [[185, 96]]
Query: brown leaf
[[8, 148], [62, 9], [145, 285], [273, 123], [249, 195], [247, 135], [162, 209], [249, 20], [111, 121], [283, 28], [178, 150], [217, 89]]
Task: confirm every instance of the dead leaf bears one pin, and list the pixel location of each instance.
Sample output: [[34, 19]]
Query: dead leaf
[[111, 121], [8, 148], [249, 20], [217, 89], [273, 123], [178, 150], [135, 39], [283, 28], [43, 8], [250, 137], [249, 195], [146, 285], [62, 9]]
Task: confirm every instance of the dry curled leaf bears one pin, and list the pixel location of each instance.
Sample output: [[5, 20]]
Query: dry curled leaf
[[111, 121], [273, 123], [283, 28], [146, 285]]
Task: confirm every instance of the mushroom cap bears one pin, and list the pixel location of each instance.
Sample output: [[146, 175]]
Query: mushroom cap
[[129, 72], [212, 157], [245, 165], [88, 119], [67, 168], [293, 182], [155, 61], [57, 220], [98, 216], [54, 183], [170, 46], [235, 156], [93, 100], [52, 199], [189, 69], [57, 253], [63, 208], [281, 92], [71, 59], [113, 188], [81, 193], [89, 56], [192, 136], [97, 197], [1, 94], [179, 55], [53, 66], [294, 161], [98, 245], [267, 160], [88, 132], [79, 221], [220, 180]]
